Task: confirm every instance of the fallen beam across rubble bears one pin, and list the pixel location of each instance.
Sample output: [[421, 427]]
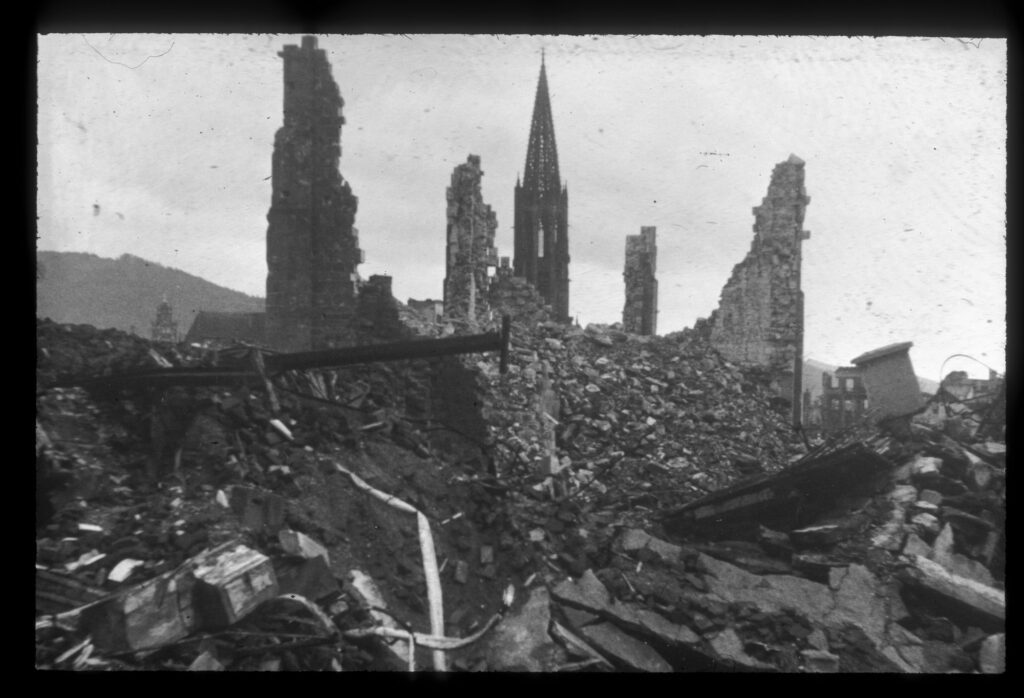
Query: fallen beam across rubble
[[326, 358], [789, 498]]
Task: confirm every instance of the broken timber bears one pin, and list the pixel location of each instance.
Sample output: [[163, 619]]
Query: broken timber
[[326, 358], [793, 496]]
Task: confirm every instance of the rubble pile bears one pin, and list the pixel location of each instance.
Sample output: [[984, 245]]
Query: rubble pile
[[666, 413], [134, 485], [640, 498]]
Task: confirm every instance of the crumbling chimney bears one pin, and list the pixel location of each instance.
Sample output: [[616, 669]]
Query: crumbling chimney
[[892, 387]]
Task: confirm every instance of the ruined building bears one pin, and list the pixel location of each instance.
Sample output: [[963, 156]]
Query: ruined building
[[760, 317], [542, 211], [844, 400], [514, 295], [640, 314], [312, 247], [471, 251], [890, 382], [164, 328], [216, 330]]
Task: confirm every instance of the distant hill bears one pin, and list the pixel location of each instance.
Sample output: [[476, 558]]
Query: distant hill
[[123, 293]]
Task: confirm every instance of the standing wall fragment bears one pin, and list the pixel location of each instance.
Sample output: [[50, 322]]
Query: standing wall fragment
[[312, 247], [760, 317], [640, 314], [471, 251]]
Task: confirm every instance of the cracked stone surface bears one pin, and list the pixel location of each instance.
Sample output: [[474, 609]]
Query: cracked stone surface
[[520, 642], [628, 650]]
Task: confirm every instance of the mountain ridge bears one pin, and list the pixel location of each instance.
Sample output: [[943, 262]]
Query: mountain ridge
[[123, 293]]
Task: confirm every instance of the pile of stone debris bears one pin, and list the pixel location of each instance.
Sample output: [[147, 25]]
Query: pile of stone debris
[[614, 441], [902, 573], [604, 403], [648, 505], [233, 498]]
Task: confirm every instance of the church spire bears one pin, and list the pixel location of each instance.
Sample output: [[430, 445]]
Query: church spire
[[542, 210], [542, 155]]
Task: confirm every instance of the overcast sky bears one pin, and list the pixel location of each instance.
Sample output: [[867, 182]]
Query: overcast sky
[[171, 137]]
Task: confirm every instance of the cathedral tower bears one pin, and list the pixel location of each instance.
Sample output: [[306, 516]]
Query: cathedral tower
[[542, 211]]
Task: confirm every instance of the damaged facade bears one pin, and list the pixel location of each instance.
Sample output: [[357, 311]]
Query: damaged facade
[[760, 317], [542, 211], [471, 252], [312, 247], [640, 314], [844, 401]]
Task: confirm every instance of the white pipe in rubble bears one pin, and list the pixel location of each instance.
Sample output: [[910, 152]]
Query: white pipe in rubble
[[430, 571]]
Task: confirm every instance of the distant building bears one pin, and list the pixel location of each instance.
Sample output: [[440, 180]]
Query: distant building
[[844, 400], [430, 309], [221, 329], [960, 387], [811, 410], [164, 328]]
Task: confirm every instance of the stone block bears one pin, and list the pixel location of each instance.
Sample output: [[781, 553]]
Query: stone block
[[820, 662], [301, 545], [992, 654], [926, 469], [578, 618], [311, 578], [916, 546], [972, 602], [624, 649], [588, 593], [232, 580], [157, 612], [729, 648], [520, 642], [927, 523]]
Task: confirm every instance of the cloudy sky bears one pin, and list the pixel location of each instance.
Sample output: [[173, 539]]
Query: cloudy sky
[[160, 146]]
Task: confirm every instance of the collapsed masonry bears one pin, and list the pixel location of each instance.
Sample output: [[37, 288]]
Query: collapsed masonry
[[640, 314], [760, 318], [312, 247], [471, 251]]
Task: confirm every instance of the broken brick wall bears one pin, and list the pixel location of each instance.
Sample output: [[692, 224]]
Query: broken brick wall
[[471, 251], [759, 320], [515, 296], [312, 247], [640, 314], [843, 399], [377, 317]]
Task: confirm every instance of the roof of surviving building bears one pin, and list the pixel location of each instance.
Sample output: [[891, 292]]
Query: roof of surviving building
[[247, 327], [884, 351]]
